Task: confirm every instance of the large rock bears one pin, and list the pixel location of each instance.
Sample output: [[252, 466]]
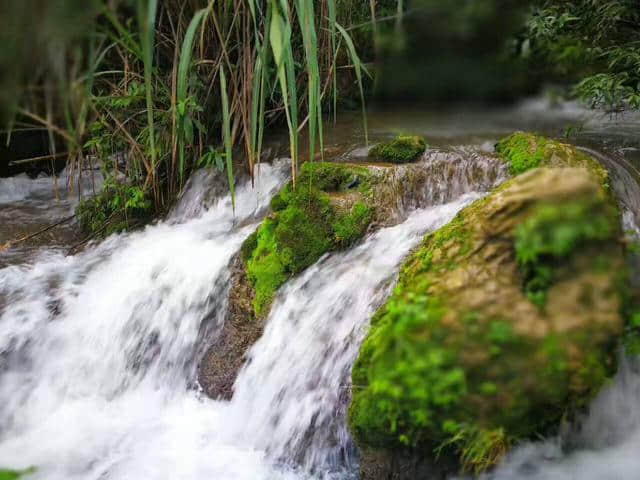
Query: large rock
[[502, 322]]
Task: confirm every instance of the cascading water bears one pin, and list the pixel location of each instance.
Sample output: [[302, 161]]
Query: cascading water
[[97, 352], [296, 383], [97, 349], [28, 205]]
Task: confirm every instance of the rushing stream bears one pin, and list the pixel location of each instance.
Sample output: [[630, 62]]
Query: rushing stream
[[98, 351]]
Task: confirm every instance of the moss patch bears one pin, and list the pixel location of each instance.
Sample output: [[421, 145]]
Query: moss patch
[[553, 232], [402, 149], [459, 360], [305, 224], [524, 151], [15, 474]]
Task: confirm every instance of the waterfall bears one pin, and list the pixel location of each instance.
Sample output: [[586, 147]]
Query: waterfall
[[296, 384], [98, 351]]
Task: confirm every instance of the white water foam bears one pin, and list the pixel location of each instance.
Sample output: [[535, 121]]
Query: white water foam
[[20, 188], [97, 354]]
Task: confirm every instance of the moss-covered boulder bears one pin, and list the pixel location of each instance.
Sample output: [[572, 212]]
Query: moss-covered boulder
[[502, 322], [329, 208], [402, 149], [523, 151], [332, 206]]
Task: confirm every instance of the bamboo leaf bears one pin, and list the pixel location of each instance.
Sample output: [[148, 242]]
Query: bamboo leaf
[[147, 23], [183, 84], [226, 133], [359, 68]]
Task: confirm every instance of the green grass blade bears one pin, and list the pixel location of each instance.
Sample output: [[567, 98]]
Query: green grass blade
[[184, 67], [147, 23], [280, 40], [310, 41], [226, 133], [333, 20], [359, 68]]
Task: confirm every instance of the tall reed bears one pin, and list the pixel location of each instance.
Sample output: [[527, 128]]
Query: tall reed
[[150, 94]]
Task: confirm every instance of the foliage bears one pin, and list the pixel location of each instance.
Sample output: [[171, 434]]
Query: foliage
[[212, 158], [304, 225], [479, 449], [594, 41], [402, 149], [156, 82], [117, 208], [452, 51], [550, 235]]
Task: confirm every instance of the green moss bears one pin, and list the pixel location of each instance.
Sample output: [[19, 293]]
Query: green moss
[[402, 149], [351, 226], [334, 177], [249, 245], [550, 235], [265, 267], [15, 474], [464, 368], [305, 225], [525, 151], [118, 207], [632, 334]]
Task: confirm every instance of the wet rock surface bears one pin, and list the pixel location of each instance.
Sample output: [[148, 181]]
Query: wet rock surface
[[226, 354], [464, 357], [391, 191]]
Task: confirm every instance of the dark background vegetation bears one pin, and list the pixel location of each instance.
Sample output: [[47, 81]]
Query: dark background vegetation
[[92, 84]]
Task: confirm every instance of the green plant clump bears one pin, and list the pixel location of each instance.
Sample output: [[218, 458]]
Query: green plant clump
[[118, 207], [402, 149], [305, 224], [524, 151], [552, 233]]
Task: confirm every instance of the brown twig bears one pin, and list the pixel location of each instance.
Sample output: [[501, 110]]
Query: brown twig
[[10, 244]]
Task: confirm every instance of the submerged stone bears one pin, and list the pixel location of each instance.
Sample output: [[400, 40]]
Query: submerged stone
[[402, 149], [502, 322]]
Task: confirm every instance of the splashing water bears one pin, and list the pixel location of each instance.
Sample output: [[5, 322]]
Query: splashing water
[[297, 381], [97, 357], [97, 352], [604, 445]]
